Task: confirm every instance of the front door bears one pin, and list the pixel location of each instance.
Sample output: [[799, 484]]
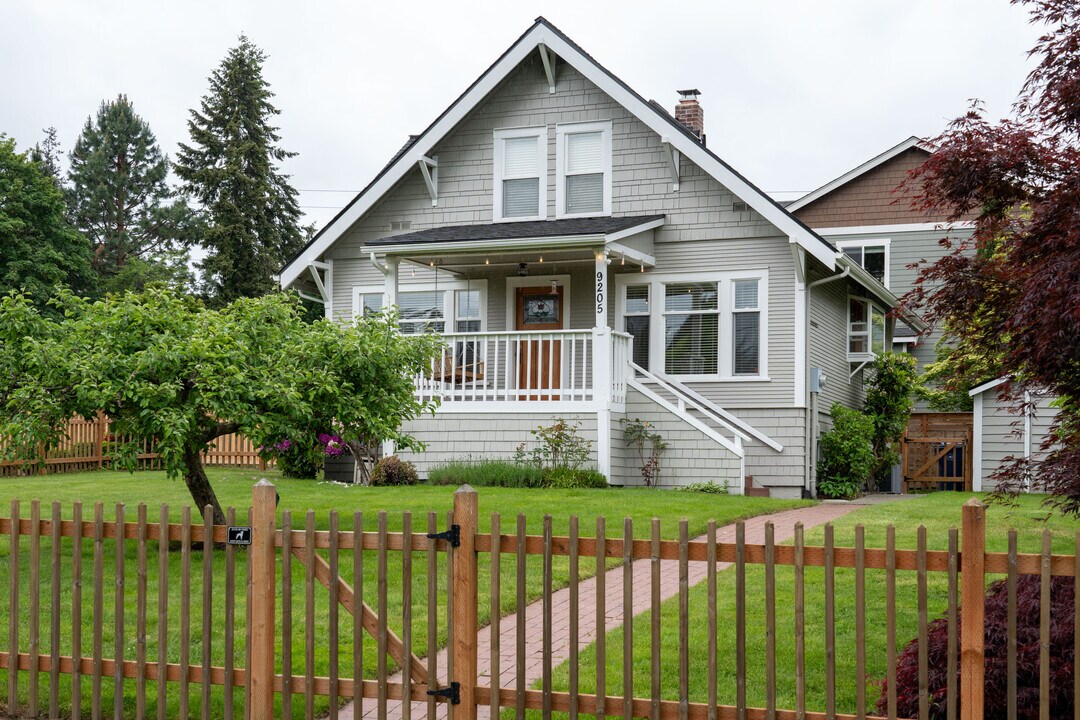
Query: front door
[[539, 359]]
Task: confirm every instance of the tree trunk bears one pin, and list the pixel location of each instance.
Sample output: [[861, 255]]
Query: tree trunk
[[199, 485]]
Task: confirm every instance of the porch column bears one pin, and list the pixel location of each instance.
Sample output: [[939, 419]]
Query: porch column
[[390, 294], [602, 365]]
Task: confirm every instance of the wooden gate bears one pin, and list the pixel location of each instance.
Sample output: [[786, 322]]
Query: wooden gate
[[936, 453]]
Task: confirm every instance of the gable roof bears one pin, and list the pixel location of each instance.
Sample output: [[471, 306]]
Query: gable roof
[[544, 33], [911, 142]]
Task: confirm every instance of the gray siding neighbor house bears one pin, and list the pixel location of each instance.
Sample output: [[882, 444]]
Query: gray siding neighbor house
[[867, 214], [586, 256]]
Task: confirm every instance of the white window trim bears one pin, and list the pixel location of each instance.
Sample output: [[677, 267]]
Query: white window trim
[[449, 298], [870, 242], [725, 301], [541, 133], [513, 283], [561, 131], [871, 307]]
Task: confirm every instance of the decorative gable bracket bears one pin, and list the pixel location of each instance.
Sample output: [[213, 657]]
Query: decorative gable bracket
[[321, 282], [548, 58], [671, 157], [429, 168]]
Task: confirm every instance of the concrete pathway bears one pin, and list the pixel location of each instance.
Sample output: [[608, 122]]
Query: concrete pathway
[[784, 529]]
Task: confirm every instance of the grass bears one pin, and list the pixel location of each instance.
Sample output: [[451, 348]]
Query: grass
[[938, 512], [233, 488]]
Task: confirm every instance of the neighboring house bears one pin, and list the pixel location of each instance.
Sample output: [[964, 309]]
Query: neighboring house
[[869, 218], [586, 256]]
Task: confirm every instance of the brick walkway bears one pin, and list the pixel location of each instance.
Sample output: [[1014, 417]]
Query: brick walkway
[[783, 522]]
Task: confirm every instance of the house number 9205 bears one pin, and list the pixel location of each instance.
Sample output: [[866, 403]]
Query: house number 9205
[[599, 293]]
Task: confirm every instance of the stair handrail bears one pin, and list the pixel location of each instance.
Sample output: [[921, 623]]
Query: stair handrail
[[739, 427]]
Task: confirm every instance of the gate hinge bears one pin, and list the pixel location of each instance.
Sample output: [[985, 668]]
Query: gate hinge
[[452, 693], [452, 536]]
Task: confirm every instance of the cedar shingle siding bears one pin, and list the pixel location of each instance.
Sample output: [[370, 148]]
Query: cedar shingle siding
[[871, 198]]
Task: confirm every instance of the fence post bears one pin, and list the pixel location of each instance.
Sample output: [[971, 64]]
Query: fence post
[[972, 594], [263, 590], [466, 513], [99, 438]]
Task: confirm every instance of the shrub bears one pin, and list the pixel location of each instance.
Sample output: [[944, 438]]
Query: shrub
[[888, 404], [996, 649], [638, 433], [392, 470], [296, 461], [847, 454], [567, 478], [557, 446], [487, 473], [711, 488]]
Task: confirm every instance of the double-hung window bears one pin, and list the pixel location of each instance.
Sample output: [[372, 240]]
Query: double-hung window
[[872, 255], [520, 174], [454, 307], [422, 311], [583, 162], [866, 329]]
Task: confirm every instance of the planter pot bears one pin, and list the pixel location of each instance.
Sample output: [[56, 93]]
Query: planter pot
[[339, 468]]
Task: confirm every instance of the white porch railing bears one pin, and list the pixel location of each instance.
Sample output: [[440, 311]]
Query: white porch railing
[[622, 353], [508, 367]]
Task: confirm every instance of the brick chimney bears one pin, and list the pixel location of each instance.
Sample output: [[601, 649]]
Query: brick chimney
[[689, 113]]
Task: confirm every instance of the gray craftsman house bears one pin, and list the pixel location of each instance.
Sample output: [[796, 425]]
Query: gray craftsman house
[[587, 256]]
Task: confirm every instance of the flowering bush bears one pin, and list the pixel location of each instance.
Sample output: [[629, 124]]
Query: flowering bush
[[333, 445]]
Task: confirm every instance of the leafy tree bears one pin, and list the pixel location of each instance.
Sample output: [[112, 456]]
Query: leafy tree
[[1011, 291], [47, 154], [231, 167], [888, 404], [39, 249], [121, 201], [162, 366]]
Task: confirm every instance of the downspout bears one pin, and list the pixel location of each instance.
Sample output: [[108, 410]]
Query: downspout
[[811, 434], [378, 265]]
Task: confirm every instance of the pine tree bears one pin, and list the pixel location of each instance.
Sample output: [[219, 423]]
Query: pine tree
[[231, 167], [119, 198], [39, 249], [47, 154]]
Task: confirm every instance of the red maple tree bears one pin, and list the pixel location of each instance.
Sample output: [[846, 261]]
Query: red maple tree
[[1011, 292]]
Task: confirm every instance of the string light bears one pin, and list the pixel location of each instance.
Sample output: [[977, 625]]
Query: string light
[[541, 258], [487, 261], [642, 268]]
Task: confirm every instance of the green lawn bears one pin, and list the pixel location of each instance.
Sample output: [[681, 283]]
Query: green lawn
[[938, 512], [234, 489]]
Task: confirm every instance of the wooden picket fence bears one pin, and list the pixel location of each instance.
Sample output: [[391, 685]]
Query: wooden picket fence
[[87, 445], [264, 681]]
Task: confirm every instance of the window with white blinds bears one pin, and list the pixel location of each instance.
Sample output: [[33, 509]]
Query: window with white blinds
[[698, 326], [521, 173], [746, 328], [583, 185]]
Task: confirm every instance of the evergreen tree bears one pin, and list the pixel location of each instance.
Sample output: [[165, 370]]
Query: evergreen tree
[[39, 249], [231, 167], [120, 199], [47, 154]]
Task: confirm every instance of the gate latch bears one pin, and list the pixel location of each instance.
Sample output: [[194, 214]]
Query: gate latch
[[452, 693], [452, 536]]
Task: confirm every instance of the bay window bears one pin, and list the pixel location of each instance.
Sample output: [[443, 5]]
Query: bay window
[[520, 174], [866, 329]]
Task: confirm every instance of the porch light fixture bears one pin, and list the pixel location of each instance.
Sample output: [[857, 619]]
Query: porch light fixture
[[523, 269], [554, 286]]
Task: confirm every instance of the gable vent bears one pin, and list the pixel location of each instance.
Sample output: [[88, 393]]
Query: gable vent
[[399, 225], [740, 207]]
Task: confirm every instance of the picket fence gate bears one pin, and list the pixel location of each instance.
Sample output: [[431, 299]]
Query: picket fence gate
[[265, 683]]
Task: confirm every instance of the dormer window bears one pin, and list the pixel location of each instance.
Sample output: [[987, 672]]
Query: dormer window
[[520, 174], [583, 160]]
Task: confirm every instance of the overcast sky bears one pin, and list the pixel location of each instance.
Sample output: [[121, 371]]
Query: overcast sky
[[795, 93]]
